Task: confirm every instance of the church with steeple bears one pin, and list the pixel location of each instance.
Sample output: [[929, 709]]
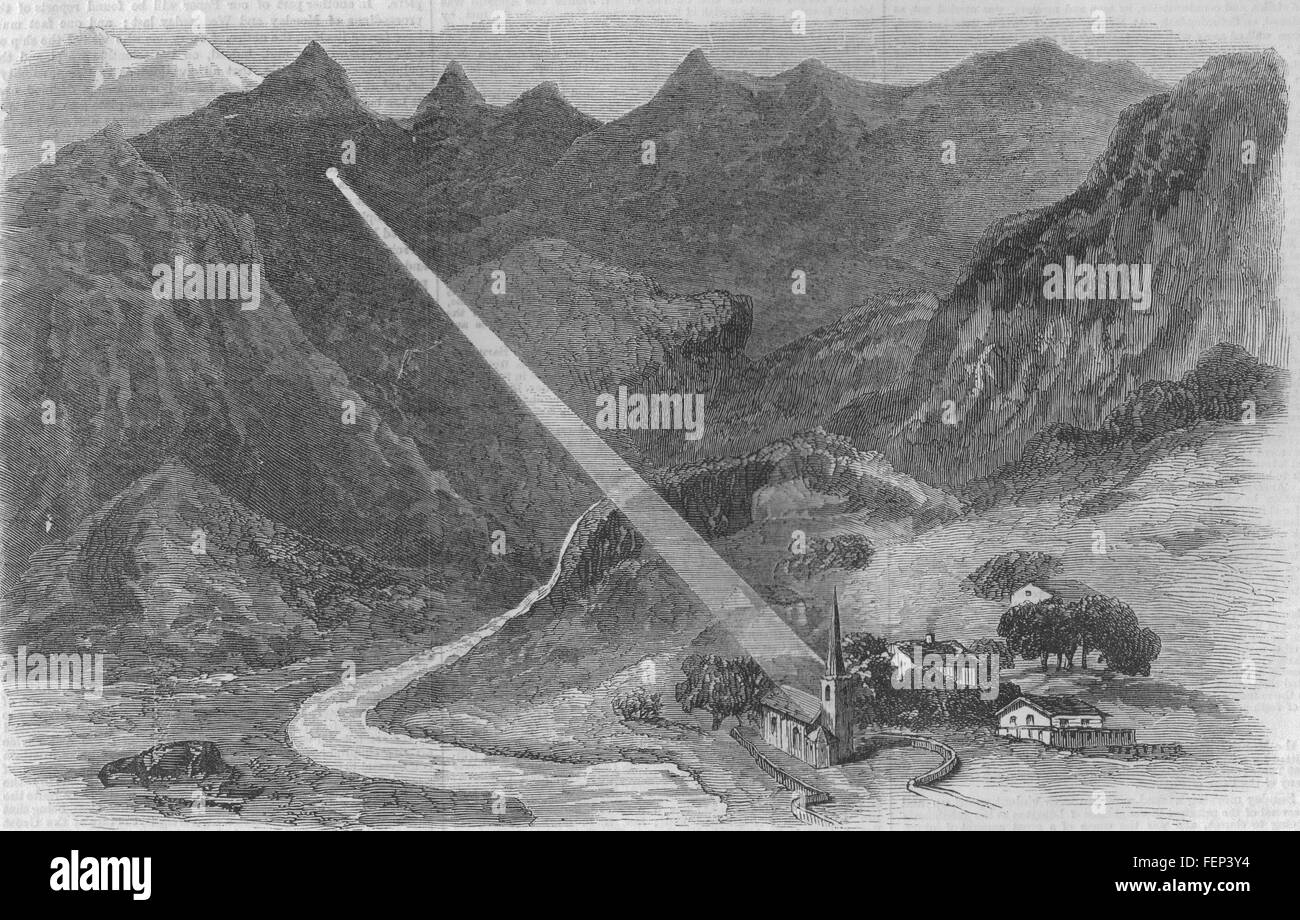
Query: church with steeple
[[816, 729]]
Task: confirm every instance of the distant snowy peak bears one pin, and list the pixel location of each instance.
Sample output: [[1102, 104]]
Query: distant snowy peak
[[97, 58], [96, 48], [89, 80]]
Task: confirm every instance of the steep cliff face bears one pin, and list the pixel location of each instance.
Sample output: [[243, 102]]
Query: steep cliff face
[[1187, 186], [131, 379], [604, 540]]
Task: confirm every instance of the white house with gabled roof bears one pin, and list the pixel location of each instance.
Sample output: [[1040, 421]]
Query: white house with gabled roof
[[1064, 589], [1044, 718]]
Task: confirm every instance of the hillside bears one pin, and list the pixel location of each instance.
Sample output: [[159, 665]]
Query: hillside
[[790, 484], [838, 178], [796, 387], [264, 153], [1093, 469], [587, 326], [239, 395], [128, 583], [1170, 190], [482, 156]]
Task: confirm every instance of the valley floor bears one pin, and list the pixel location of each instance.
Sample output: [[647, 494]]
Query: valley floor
[[55, 743], [1182, 549]]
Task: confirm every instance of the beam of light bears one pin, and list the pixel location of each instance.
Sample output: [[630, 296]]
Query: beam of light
[[763, 634]]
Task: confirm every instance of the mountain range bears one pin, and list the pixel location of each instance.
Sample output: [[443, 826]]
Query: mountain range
[[923, 356], [753, 177], [1170, 191], [758, 177]]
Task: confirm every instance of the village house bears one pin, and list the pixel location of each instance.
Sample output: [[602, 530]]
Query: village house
[[903, 659], [1066, 590], [816, 729], [1059, 721]]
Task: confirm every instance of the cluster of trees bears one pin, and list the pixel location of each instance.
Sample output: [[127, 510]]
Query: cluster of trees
[[842, 551], [639, 706], [1002, 576], [999, 647], [1228, 384], [1224, 378], [867, 659], [1095, 624], [725, 687]]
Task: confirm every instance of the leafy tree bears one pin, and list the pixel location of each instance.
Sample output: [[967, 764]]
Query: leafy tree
[[1098, 624], [1095, 617], [725, 687], [999, 647], [1059, 635], [1223, 377], [1112, 629], [867, 658], [1135, 654], [1022, 628], [1123, 644], [1002, 576], [844, 551], [638, 706], [1040, 631]]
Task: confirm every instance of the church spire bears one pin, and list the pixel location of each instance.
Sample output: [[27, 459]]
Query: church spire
[[834, 654]]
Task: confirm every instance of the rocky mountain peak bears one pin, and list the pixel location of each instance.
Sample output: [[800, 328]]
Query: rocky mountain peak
[[313, 74], [454, 90]]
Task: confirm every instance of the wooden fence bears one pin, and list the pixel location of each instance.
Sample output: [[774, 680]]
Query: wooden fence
[[1092, 739], [812, 795], [806, 793], [950, 759], [803, 813]]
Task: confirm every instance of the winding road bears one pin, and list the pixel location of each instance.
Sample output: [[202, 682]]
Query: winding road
[[331, 729]]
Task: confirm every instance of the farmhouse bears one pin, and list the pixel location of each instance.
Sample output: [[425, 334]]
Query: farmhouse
[[1059, 721], [816, 729], [907, 656], [1064, 589]]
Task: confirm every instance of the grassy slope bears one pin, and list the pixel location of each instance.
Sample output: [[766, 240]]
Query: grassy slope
[[1185, 550]]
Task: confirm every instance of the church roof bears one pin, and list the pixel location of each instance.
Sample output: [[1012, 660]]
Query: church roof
[[799, 705]]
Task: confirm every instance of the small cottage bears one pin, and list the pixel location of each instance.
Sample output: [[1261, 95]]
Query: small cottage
[[1066, 590], [1047, 719]]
